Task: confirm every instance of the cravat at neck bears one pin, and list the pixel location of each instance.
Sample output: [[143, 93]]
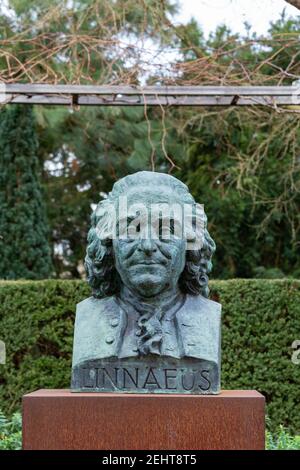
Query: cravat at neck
[[150, 317]]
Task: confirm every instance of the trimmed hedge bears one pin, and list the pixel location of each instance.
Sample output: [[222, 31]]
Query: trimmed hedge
[[261, 319]]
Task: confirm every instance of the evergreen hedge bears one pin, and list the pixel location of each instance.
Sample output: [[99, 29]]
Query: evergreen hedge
[[261, 319]]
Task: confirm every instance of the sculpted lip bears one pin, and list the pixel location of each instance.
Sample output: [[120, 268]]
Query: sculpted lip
[[147, 263]]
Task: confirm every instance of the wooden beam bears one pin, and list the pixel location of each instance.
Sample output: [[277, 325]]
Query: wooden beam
[[151, 90], [89, 95]]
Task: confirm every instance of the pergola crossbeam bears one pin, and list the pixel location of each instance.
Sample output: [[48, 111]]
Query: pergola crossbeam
[[119, 95]]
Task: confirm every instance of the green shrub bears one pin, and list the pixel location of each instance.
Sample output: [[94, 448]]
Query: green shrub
[[10, 432], [261, 319], [282, 440]]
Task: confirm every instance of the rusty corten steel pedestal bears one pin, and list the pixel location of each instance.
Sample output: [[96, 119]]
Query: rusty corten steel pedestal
[[59, 419]]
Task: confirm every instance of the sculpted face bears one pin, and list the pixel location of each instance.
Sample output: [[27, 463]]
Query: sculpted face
[[150, 262]]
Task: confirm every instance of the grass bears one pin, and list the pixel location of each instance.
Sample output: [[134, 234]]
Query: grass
[[10, 432], [282, 440]]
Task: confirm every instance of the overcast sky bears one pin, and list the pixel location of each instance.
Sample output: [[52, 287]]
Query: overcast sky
[[211, 13]]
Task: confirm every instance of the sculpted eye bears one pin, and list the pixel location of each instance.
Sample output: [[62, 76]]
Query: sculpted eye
[[129, 240], [165, 227], [129, 220], [133, 224]]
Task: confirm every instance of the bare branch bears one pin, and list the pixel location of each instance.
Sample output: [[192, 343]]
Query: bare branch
[[295, 3]]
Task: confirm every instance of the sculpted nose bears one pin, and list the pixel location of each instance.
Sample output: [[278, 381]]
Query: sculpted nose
[[147, 246]]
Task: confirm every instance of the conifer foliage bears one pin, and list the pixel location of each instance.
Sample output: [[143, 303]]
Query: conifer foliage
[[24, 246]]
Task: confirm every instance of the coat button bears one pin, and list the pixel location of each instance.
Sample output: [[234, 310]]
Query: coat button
[[109, 339], [114, 322]]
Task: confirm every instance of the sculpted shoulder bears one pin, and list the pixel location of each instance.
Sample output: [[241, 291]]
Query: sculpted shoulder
[[202, 312], [97, 327], [91, 304], [199, 322], [197, 305]]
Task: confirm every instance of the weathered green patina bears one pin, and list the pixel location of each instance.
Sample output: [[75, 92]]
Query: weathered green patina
[[149, 326]]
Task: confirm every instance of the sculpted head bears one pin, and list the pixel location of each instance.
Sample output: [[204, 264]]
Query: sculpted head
[[144, 242]]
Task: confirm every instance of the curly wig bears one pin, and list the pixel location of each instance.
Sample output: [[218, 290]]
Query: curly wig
[[99, 262]]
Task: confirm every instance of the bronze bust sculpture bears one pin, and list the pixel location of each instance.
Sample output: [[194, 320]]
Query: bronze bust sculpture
[[149, 326]]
